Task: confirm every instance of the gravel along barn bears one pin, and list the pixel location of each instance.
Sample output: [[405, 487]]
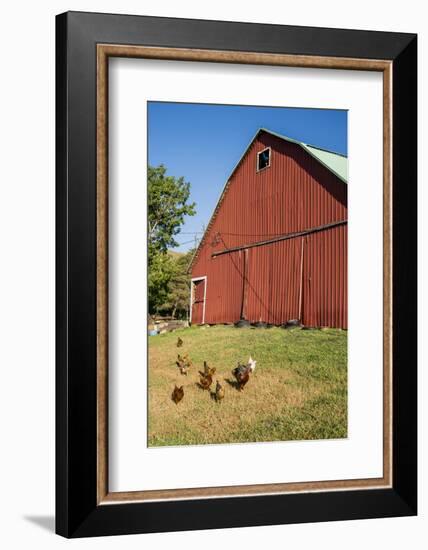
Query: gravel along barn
[[275, 248]]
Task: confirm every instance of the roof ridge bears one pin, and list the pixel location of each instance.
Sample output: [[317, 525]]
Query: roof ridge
[[326, 150], [294, 140]]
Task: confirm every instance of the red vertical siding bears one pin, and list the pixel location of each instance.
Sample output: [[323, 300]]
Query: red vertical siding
[[273, 282], [295, 193], [224, 288], [325, 289]]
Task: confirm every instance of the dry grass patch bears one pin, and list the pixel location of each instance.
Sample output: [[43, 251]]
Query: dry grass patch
[[298, 390]]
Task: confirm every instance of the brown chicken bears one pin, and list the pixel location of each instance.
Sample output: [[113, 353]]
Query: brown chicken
[[177, 394], [205, 381], [187, 360], [183, 363], [242, 375], [179, 342], [183, 369], [180, 362], [219, 392], [207, 370]]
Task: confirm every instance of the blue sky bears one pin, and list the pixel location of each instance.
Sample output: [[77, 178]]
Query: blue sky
[[203, 143]]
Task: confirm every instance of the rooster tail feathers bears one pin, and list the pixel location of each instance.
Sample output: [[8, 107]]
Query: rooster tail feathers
[[252, 363]]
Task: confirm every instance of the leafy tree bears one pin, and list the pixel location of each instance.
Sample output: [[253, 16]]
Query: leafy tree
[[167, 206], [160, 273], [177, 300]]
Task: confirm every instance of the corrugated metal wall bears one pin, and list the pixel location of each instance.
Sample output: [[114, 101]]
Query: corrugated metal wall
[[224, 288], [325, 287], [273, 282], [270, 283]]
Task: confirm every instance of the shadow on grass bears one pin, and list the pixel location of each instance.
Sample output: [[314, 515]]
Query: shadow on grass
[[201, 387], [232, 383], [213, 396]]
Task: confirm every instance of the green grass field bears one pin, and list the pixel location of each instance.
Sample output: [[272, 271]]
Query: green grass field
[[298, 390]]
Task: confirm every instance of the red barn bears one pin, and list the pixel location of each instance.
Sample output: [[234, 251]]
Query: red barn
[[275, 248]]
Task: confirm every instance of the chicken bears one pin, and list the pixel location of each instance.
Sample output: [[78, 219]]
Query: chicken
[[187, 360], [242, 375], [205, 381], [219, 392], [242, 372], [183, 363], [207, 370], [177, 394], [183, 369], [179, 342]]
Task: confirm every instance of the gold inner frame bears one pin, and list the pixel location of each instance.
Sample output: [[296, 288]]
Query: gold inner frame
[[104, 51]]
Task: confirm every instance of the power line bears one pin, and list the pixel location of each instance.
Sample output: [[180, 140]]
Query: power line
[[251, 234], [235, 234], [188, 242]]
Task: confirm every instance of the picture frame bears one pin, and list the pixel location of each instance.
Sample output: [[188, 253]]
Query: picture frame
[[84, 44]]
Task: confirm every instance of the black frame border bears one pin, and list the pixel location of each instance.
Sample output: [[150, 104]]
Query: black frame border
[[77, 513]]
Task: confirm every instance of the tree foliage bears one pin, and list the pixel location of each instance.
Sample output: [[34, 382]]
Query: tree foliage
[[176, 302], [161, 270], [167, 206], [168, 284]]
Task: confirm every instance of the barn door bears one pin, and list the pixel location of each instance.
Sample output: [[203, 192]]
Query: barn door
[[198, 301]]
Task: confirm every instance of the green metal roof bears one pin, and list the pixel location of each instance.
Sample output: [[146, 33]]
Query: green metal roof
[[335, 162], [338, 164]]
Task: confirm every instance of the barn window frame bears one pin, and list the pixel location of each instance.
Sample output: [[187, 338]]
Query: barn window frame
[[258, 157]]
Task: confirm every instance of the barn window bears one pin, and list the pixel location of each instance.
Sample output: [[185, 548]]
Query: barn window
[[263, 159]]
